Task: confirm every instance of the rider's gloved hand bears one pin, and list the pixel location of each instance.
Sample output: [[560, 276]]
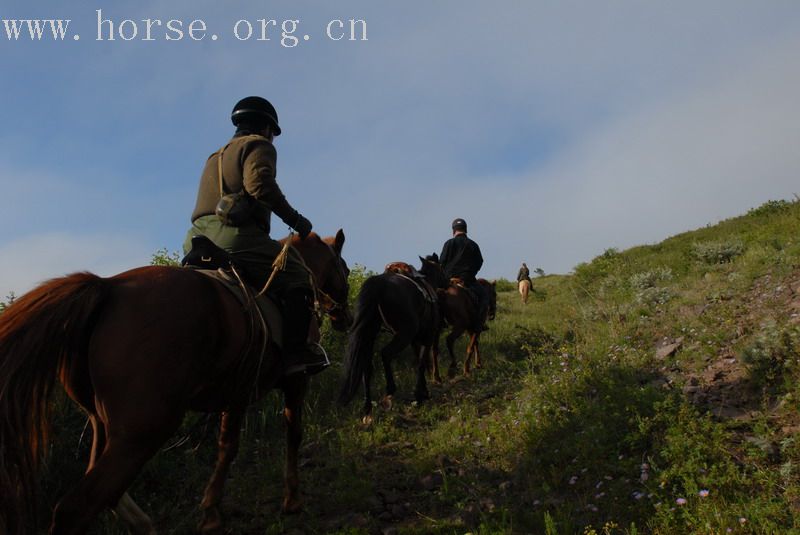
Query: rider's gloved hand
[[302, 226]]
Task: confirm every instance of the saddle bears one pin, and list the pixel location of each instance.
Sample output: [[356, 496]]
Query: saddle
[[411, 273], [213, 261], [461, 283]]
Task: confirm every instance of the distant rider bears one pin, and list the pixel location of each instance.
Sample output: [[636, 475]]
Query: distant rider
[[461, 257]]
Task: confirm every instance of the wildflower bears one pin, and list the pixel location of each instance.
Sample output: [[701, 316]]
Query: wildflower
[[644, 477], [573, 480], [638, 495], [742, 520], [598, 496], [681, 501], [536, 502], [703, 493]]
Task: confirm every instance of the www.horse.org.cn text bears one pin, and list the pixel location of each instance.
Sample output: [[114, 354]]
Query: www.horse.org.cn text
[[286, 33]]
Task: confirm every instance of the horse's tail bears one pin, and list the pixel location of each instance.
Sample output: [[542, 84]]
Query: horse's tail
[[41, 333], [363, 333]]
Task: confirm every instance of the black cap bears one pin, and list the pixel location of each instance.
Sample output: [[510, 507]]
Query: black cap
[[257, 110], [459, 224]]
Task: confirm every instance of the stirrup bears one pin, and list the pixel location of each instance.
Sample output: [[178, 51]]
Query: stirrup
[[312, 368]]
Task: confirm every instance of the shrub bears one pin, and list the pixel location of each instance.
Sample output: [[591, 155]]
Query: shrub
[[600, 267], [717, 252], [505, 285], [770, 207], [650, 279], [774, 354], [164, 257]]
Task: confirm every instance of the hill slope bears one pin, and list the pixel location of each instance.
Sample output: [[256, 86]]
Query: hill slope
[[653, 391]]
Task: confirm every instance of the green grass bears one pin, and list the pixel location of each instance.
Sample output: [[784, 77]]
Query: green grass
[[573, 425]]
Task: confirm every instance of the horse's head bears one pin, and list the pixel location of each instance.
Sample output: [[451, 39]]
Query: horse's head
[[323, 256], [433, 271], [490, 287]]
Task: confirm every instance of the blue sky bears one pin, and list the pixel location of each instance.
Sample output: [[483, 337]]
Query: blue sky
[[556, 129]]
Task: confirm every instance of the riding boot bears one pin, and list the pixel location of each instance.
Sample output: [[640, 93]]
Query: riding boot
[[299, 355]]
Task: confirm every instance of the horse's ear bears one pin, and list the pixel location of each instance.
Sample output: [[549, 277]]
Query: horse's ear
[[494, 283], [339, 241], [422, 260], [435, 257]]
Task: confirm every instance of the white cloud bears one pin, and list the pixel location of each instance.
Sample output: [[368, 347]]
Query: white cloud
[[28, 261], [723, 143]]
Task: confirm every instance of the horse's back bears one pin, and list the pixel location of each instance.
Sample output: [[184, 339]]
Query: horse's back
[[163, 332]]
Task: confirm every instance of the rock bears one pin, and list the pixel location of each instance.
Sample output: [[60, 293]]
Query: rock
[[374, 503], [669, 349], [389, 497], [398, 511], [432, 481]]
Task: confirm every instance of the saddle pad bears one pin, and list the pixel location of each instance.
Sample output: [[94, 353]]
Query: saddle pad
[[269, 309]]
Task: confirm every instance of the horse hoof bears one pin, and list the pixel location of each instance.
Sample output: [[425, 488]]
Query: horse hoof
[[292, 506], [211, 523], [386, 403]]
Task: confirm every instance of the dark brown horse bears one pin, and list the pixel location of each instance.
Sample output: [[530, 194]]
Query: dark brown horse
[[409, 309], [460, 310], [137, 351]]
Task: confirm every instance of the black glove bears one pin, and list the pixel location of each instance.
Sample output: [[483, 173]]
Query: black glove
[[302, 226]]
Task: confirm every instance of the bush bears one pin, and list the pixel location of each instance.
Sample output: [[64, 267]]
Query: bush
[[770, 207], [600, 267], [650, 279], [505, 285], [164, 257], [774, 355], [717, 252]]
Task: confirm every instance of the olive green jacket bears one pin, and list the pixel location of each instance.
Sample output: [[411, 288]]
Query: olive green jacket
[[248, 163]]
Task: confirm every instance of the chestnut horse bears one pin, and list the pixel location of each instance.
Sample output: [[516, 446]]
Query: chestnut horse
[[460, 311], [409, 309], [137, 351]]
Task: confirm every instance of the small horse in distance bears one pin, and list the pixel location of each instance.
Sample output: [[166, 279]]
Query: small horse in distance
[[406, 304], [460, 310], [524, 289], [137, 351]]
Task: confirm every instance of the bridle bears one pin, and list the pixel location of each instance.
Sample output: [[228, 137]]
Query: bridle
[[323, 302]]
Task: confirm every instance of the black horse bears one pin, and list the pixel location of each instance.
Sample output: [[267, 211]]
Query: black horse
[[403, 301]]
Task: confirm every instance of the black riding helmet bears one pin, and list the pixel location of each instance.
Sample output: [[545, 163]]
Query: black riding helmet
[[256, 110], [460, 224]]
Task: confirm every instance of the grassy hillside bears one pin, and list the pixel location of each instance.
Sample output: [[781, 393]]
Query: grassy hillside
[[653, 391]]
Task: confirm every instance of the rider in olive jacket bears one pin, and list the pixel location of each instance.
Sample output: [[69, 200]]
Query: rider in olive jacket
[[249, 165]]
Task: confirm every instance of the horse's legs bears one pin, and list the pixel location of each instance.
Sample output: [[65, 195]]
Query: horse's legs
[[421, 389], [367, 391], [476, 344], [106, 482], [131, 514], [228, 446], [434, 362], [294, 392], [449, 342], [126, 509], [398, 342]]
